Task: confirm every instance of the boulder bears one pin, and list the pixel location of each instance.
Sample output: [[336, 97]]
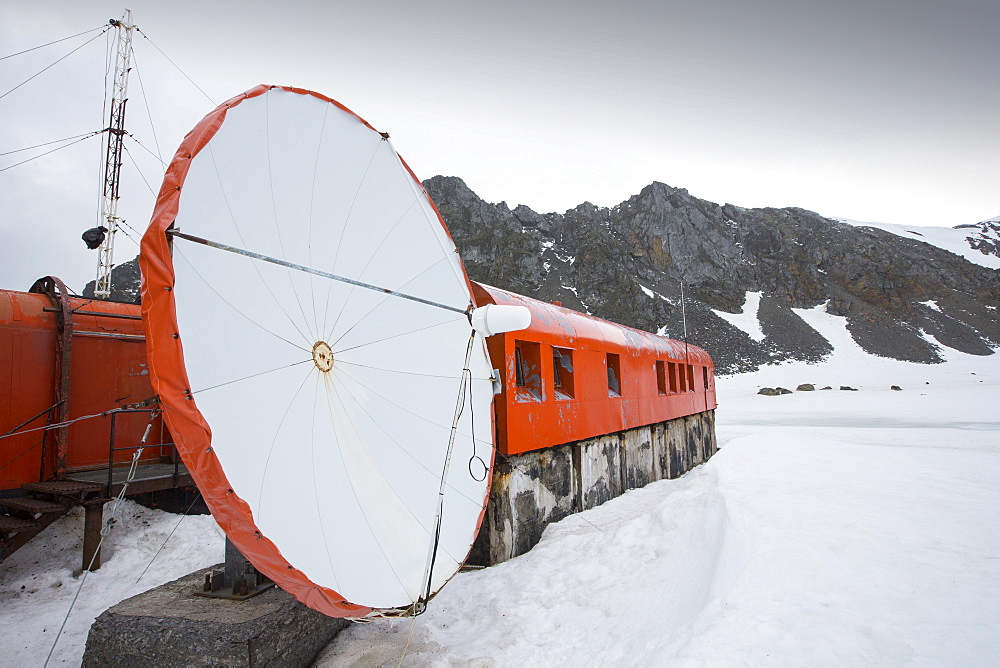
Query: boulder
[[805, 387]]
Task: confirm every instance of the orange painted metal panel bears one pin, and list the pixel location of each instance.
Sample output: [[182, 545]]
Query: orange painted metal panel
[[108, 370], [527, 421]]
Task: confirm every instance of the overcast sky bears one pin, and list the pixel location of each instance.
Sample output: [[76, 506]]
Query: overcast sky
[[875, 110]]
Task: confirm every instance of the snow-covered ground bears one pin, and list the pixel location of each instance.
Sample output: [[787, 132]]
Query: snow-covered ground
[[39, 581], [833, 528]]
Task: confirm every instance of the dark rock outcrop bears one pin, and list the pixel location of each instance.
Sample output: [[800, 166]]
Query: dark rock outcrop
[[630, 263], [984, 237], [125, 280]]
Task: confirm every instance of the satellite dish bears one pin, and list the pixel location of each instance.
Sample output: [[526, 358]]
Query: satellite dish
[[308, 326]]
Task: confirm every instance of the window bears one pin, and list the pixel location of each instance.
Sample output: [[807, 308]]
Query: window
[[690, 374], [614, 375], [672, 372], [704, 374], [661, 377], [562, 372], [528, 370], [681, 378]]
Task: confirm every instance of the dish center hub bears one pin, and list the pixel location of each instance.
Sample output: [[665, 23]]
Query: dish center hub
[[322, 356]]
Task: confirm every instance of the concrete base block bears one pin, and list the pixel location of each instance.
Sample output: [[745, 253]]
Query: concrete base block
[[169, 626]]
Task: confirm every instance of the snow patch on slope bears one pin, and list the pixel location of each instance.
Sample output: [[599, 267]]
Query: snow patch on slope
[[950, 239], [746, 320], [930, 303], [653, 294], [833, 328]]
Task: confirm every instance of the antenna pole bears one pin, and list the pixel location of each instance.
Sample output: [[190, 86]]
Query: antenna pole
[[113, 160], [684, 320]]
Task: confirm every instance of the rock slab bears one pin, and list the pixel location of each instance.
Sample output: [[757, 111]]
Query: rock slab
[[170, 626]]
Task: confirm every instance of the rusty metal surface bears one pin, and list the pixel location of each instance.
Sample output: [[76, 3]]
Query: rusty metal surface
[[238, 580], [29, 505], [93, 522], [105, 372], [10, 524], [149, 477], [56, 290], [69, 488]]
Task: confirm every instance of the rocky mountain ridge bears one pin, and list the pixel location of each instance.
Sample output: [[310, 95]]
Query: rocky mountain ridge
[[901, 298]]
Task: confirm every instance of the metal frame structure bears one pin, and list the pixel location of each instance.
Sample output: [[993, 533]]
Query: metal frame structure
[[113, 151]]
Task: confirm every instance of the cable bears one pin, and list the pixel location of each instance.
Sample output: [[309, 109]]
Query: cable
[[23, 453], [106, 529], [176, 234], [137, 232], [340, 241], [53, 64], [341, 351], [59, 148], [180, 254], [35, 48], [146, 37], [472, 418], [164, 544], [397, 292], [315, 482], [141, 175], [274, 212], [421, 603], [60, 425], [149, 113], [101, 165], [407, 373], [230, 382], [132, 137], [49, 143], [236, 227], [409, 636], [389, 436]]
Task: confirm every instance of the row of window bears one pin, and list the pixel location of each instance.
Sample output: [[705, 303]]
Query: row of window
[[671, 377]]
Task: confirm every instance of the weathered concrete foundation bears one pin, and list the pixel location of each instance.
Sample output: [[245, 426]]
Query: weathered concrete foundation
[[169, 626], [537, 488]]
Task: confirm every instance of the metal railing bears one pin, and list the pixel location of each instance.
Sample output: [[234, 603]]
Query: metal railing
[[174, 456]]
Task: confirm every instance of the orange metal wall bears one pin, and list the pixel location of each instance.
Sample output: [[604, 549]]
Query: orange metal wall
[[529, 422], [108, 370]]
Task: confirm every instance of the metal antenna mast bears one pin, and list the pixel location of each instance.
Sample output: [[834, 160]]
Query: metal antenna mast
[[113, 161]]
